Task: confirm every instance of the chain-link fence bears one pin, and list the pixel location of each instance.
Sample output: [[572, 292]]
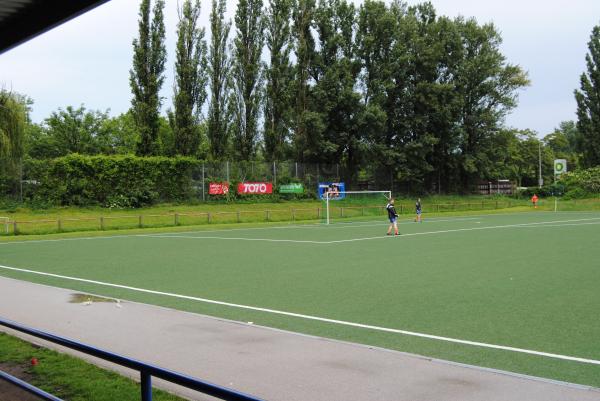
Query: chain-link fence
[[28, 179]]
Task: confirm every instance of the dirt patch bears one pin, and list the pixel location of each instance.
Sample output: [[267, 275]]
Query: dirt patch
[[86, 298], [9, 391]]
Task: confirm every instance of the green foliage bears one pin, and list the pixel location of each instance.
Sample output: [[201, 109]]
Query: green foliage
[[247, 82], [576, 184], [279, 79], [219, 64], [582, 183], [116, 181], [588, 102], [146, 76], [14, 115], [190, 81]]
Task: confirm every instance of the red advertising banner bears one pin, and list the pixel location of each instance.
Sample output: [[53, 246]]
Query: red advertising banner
[[255, 188], [218, 188]]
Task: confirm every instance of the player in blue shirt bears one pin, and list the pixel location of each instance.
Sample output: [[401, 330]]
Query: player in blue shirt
[[418, 211], [393, 216]]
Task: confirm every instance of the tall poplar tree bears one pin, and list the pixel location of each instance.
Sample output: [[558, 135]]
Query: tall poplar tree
[[279, 76], [247, 50], [190, 80], [588, 103], [146, 76], [219, 69], [306, 122]]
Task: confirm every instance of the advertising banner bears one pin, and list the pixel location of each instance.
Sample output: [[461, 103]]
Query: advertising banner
[[218, 188], [255, 188], [291, 188], [336, 190]]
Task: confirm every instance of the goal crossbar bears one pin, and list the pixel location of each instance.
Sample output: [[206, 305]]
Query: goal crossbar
[[327, 196]]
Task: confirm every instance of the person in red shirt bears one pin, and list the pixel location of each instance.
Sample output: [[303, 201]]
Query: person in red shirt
[[534, 200]]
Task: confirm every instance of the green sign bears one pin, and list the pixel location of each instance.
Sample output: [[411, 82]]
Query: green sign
[[291, 189], [560, 166]]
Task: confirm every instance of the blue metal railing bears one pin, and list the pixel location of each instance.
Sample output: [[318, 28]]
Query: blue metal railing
[[147, 371]]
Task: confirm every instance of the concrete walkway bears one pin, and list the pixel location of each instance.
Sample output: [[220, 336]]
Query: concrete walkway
[[268, 363]]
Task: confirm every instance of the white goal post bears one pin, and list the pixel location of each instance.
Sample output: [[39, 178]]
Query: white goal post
[[332, 196]]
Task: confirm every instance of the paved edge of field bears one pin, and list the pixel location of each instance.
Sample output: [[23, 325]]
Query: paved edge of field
[[265, 362]]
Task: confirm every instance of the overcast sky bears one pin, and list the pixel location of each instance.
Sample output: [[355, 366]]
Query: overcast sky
[[87, 60]]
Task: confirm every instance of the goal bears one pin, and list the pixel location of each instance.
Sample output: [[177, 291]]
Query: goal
[[353, 205]]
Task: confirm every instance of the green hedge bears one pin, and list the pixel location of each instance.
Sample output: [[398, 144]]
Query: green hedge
[[112, 181], [573, 185], [126, 181]]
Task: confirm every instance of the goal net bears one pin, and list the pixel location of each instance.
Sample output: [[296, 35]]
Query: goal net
[[353, 205]]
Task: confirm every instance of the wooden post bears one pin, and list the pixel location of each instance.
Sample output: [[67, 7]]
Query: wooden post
[[15, 228], [208, 218], [293, 215], [341, 212], [140, 221], [362, 211], [267, 215], [318, 213], [176, 219], [59, 224], [102, 223], [239, 219]]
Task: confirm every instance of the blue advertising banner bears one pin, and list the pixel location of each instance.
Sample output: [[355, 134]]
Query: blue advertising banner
[[336, 190]]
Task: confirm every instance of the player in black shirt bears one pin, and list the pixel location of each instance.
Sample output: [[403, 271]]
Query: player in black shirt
[[418, 211], [393, 216]]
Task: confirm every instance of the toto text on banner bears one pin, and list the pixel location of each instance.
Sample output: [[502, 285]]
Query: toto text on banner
[[245, 188]]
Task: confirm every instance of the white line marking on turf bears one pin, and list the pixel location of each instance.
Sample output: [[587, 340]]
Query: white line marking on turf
[[237, 239], [522, 225], [315, 318]]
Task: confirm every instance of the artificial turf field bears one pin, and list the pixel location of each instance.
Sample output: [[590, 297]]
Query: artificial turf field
[[498, 288]]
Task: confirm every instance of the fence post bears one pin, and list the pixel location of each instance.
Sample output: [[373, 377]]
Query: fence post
[[208, 217], [203, 197], [176, 219], [239, 220], [267, 214], [293, 215], [140, 221], [101, 222], [146, 385], [438, 207], [59, 224], [496, 204], [318, 213], [401, 209], [362, 211], [15, 228]]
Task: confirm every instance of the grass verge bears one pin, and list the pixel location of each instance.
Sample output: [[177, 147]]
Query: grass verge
[[73, 219], [70, 378]]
